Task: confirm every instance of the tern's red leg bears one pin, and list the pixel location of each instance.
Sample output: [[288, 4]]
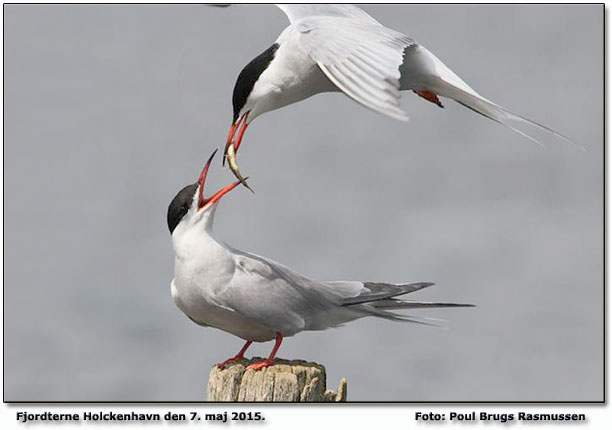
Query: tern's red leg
[[430, 96], [270, 360], [238, 356]]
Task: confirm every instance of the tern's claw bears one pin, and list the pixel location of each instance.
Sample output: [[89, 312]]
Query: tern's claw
[[230, 154], [233, 360], [261, 364]]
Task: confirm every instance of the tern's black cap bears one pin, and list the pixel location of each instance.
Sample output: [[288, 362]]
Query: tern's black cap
[[248, 76], [180, 205]]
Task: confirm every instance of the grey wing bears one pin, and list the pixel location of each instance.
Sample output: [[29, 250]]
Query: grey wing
[[275, 296], [279, 298], [379, 291], [379, 299], [362, 58], [381, 295], [285, 301]]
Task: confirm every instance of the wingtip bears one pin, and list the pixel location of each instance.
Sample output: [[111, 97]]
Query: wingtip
[[457, 305], [401, 115], [420, 285]]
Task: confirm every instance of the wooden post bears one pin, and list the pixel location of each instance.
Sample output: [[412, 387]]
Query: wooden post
[[285, 381]]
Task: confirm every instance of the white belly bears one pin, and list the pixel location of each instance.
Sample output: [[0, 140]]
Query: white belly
[[196, 302], [202, 269]]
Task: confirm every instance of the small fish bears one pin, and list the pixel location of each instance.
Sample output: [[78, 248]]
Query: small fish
[[233, 165]]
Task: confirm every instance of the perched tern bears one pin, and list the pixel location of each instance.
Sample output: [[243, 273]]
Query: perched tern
[[339, 47], [258, 299]]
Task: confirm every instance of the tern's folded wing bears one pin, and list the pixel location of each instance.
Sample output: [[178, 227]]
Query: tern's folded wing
[[276, 296], [282, 299]]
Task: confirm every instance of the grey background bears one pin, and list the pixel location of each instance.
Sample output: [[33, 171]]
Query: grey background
[[110, 109]]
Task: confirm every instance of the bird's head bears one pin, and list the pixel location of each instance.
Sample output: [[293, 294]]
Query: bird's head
[[189, 208], [247, 100]]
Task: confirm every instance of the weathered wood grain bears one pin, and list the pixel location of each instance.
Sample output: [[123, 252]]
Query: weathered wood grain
[[285, 381]]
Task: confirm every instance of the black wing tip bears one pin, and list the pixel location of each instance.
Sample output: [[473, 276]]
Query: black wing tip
[[454, 305], [382, 291], [419, 285]]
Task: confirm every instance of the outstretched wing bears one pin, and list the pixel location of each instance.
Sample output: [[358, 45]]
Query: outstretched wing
[[361, 58], [359, 55]]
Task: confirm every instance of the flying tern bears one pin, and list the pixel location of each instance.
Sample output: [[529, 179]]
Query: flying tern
[[258, 299], [339, 47]]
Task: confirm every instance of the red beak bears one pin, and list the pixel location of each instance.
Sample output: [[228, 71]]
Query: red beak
[[203, 202], [232, 133], [217, 196]]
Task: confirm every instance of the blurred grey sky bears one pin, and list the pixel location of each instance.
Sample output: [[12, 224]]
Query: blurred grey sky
[[111, 109]]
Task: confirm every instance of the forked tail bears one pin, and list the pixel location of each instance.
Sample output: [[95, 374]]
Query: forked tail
[[429, 77], [379, 299], [487, 108]]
